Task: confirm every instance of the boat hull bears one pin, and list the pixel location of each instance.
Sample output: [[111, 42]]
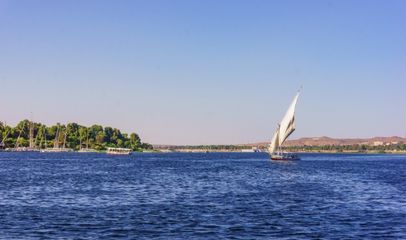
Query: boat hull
[[55, 150], [285, 157], [118, 151], [22, 149]]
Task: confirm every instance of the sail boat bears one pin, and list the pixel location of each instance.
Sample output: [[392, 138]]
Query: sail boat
[[43, 138], [282, 132], [56, 147], [2, 143], [87, 149], [31, 147]]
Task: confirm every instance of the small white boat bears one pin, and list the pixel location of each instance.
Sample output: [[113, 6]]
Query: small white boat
[[22, 149], [252, 150], [118, 151], [56, 150], [87, 150], [283, 131]]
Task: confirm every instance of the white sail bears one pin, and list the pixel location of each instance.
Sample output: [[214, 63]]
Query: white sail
[[285, 128], [287, 125], [274, 142]]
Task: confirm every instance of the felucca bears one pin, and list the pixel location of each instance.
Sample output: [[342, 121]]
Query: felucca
[[31, 147], [56, 147], [285, 128]]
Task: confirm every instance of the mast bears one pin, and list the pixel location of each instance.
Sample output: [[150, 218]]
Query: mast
[[36, 139], [19, 135], [56, 142], [6, 135], [87, 140], [42, 130], [45, 137], [42, 137], [64, 139], [31, 135]]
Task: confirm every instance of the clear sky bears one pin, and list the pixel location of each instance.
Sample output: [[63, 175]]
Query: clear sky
[[206, 72]]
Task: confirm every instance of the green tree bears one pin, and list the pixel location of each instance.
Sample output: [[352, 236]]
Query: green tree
[[108, 133], [120, 143], [100, 138], [135, 141], [73, 133], [83, 136]]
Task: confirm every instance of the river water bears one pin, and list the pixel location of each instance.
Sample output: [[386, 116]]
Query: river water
[[201, 196]]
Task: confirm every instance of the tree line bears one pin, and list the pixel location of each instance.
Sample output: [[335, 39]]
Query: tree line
[[305, 148], [71, 135], [209, 147], [355, 147]]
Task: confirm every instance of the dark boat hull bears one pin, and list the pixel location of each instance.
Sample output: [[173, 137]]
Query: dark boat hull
[[285, 157]]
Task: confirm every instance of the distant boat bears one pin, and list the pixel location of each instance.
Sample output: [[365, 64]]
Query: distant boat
[[56, 147], [118, 151], [253, 149], [283, 131], [46, 150], [87, 149], [2, 143], [31, 147]]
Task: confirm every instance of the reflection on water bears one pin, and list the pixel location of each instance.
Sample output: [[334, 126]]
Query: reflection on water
[[202, 196]]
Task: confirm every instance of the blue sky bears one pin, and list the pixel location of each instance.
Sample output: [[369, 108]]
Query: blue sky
[[206, 72]]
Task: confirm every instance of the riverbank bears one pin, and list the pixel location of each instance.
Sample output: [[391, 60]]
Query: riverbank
[[312, 151]]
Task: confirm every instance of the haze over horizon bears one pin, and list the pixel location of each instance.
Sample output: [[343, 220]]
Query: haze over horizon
[[206, 72]]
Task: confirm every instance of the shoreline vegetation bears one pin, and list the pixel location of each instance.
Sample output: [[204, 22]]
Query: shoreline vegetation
[[398, 148], [75, 137], [33, 135], [374, 145]]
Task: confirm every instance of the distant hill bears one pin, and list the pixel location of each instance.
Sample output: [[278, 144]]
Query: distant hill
[[309, 141], [322, 141]]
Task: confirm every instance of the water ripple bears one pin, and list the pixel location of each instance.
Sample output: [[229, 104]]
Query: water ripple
[[201, 196]]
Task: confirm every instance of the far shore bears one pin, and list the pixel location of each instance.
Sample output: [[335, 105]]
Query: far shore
[[240, 151], [207, 150]]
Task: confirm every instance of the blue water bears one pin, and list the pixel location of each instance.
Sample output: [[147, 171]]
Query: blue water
[[201, 196]]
